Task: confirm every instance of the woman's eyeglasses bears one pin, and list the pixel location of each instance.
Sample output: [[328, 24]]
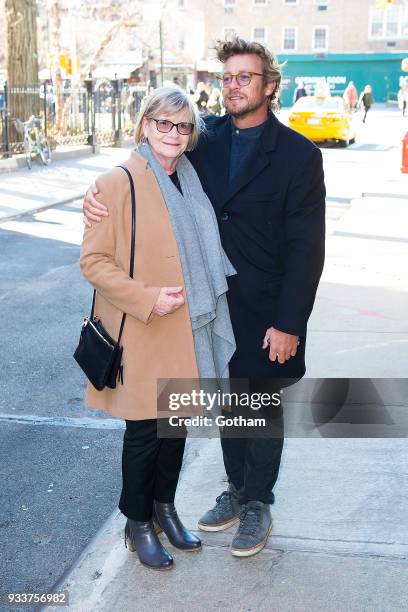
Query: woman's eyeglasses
[[165, 126], [242, 78]]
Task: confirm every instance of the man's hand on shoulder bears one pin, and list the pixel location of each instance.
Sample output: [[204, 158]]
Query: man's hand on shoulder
[[93, 210], [282, 346]]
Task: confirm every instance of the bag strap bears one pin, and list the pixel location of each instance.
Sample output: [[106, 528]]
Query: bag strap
[[132, 240], [132, 246]]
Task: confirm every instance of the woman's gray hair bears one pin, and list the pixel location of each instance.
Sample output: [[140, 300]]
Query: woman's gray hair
[[168, 101]]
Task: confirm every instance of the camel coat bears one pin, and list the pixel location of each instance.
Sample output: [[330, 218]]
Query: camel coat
[[154, 347]]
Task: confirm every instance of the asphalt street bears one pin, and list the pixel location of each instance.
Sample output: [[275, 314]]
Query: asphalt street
[[59, 462], [58, 482]]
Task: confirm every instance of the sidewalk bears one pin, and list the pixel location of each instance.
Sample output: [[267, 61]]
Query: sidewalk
[[18, 162], [359, 324], [339, 540], [28, 191]]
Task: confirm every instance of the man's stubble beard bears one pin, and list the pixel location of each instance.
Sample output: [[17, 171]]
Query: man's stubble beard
[[247, 110]]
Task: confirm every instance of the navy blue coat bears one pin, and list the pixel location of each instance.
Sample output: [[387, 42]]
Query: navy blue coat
[[272, 226]]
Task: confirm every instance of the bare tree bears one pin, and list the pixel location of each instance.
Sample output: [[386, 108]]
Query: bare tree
[[22, 58], [108, 37], [55, 18]]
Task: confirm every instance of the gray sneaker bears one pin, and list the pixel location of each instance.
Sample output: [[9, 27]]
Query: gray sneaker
[[224, 514], [255, 525]]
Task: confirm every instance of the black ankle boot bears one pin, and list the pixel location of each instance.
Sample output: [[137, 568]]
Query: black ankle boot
[[166, 517], [142, 538]]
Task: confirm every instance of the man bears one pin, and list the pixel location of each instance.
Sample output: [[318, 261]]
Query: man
[[266, 184], [300, 92]]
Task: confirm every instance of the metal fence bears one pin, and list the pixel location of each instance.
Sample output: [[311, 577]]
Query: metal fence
[[97, 112]]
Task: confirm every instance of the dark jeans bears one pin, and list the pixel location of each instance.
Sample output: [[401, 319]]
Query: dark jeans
[[150, 469], [252, 463]]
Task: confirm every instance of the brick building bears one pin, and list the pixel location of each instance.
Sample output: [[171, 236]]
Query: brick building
[[340, 39]]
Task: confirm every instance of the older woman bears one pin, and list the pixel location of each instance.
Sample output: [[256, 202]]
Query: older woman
[[177, 324]]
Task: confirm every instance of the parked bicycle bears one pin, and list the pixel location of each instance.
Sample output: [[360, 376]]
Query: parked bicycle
[[35, 143]]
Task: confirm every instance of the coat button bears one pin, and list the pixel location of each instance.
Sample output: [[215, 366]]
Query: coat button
[[224, 216]]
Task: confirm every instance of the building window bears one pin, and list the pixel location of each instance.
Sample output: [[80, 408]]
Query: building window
[[289, 38], [259, 35], [387, 23], [181, 4], [260, 2], [321, 4], [320, 38], [229, 3], [404, 31], [229, 33], [392, 24], [376, 24], [290, 1]]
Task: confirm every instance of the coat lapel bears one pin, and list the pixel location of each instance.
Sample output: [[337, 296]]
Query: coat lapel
[[255, 163], [253, 166], [219, 155]]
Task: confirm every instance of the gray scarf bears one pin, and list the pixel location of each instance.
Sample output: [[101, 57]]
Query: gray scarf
[[204, 263]]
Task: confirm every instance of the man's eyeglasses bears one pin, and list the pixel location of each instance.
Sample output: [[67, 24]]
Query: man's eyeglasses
[[165, 126], [242, 78]]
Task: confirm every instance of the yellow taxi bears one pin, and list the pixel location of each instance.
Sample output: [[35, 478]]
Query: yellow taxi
[[323, 119]]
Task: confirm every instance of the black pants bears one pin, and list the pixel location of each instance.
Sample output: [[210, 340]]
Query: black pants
[[150, 469], [252, 463]]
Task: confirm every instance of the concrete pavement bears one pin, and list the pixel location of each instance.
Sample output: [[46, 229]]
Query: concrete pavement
[[359, 325], [340, 540], [28, 191], [62, 152]]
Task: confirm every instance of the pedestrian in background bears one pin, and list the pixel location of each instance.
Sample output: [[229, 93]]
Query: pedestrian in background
[[201, 98], [366, 100], [214, 102], [300, 92], [350, 97], [403, 98]]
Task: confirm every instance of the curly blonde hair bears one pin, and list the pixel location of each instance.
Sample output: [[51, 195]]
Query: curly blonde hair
[[272, 71]]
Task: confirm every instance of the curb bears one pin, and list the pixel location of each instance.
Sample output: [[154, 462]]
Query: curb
[[375, 194], [66, 577]]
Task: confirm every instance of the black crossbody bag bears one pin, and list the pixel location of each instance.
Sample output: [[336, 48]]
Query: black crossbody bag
[[97, 354]]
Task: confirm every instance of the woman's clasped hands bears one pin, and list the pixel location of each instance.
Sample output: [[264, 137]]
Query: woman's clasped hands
[[170, 298]]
